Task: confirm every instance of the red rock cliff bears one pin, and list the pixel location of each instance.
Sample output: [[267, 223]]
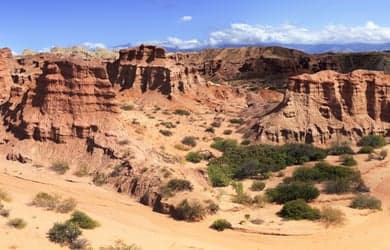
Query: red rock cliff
[[326, 106]]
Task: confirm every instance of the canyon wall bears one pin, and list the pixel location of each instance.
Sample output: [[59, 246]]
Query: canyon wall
[[327, 106]]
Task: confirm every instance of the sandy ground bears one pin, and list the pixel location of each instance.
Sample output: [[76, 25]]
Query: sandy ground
[[121, 218]]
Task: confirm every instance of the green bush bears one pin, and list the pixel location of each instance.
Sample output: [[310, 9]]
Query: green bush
[[375, 141], [292, 191], [60, 167], [194, 157], [340, 149], [332, 216], [165, 132], [365, 201], [181, 112], [348, 160], [79, 244], [82, 170], [189, 141], [224, 144], [221, 224], [218, 177], [120, 245], [366, 150], [338, 186], [212, 207], [99, 179], [259, 200], [177, 185], [82, 220], [18, 223], [299, 210], [188, 211], [257, 186], [258, 160], [64, 233]]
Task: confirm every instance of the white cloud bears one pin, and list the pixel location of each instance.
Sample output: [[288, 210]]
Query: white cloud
[[93, 46], [186, 18], [241, 33]]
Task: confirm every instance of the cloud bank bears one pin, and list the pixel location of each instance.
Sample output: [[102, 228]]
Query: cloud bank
[[241, 33], [186, 18]]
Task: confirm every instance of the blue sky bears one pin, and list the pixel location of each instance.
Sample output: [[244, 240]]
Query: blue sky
[[189, 24]]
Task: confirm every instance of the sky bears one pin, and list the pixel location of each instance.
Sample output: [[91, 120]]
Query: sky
[[189, 24]]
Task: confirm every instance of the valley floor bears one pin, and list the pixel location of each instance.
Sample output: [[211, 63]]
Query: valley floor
[[124, 219]]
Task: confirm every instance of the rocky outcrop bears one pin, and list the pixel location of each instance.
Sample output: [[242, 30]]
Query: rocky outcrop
[[6, 62], [327, 106], [271, 66], [146, 68], [70, 98]]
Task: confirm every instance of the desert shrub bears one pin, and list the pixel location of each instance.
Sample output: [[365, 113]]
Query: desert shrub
[[127, 107], [83, 220], [338, 186], [299, 210], [189, 141], [245, 142], [194, 157], [182, 147], [79, 244], [60, 167], [181, 112], [366, 150], [64, 233], [365, 201], [82, 170], [210, 130], [332, 216], [240, 197], [66, 205], [382, 155], [4, 196], [375, 141], [177, 185], [257, 186], [99, 179], [4, 212], [348, 160], [292, 191], [224, 144], [323, 171], [168, 124], [188, 211], [237, 121], [227, 132], [259, 200], [165, 132], [218, 177], [221, 224], [216, 124], [340, 149], [18, 223], [120, 245], [212, 207], [45, 200], [256, 161]]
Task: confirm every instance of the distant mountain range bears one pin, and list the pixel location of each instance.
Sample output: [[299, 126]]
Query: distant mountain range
[[308, 48]]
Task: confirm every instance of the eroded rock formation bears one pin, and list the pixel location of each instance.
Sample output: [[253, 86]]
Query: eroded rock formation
[[327, 106], [146, 68], [70, 98]]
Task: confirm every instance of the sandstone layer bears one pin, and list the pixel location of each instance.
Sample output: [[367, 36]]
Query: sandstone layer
[[326, 106]]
